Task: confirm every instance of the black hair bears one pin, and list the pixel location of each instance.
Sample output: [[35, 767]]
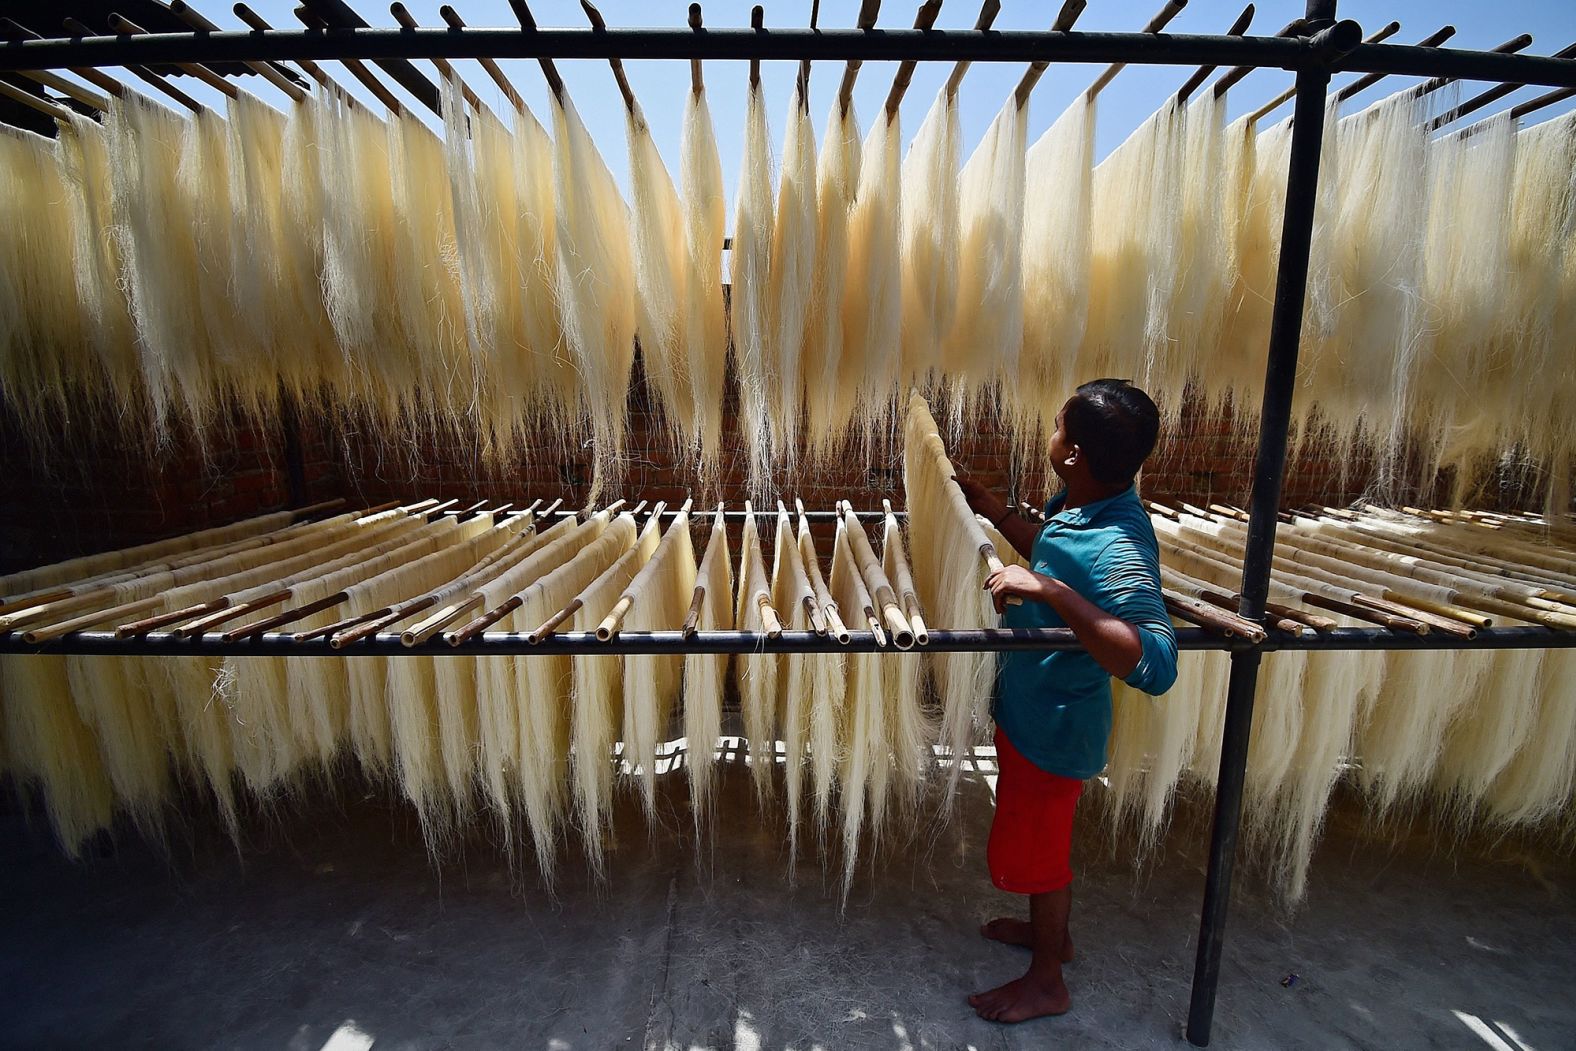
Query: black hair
[[1115, 424]]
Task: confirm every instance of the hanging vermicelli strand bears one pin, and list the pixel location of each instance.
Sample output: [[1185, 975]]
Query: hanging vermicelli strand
[[479, 261], [827, 687], [911, 729], [750, 305], [1195, 309], [146, 203], [1543, 213], [865, 776], [1056, 233], [84, 161], [756, 673], [981, 351], [1134, 252], [499, 715], [661, 592], [662, 281], [544, 363], [949, 571], [542, 684], [705, 673], [930, 239], [706, 329], [836, 183], [595, 285], [793, 598], [597, 708], [793, 262], [203, 180], [872, 301]]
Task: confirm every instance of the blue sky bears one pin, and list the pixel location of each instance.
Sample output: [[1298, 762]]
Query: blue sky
[[1134, 94]]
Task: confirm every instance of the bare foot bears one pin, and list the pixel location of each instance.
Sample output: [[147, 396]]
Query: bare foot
[[1022, 999], [1009, 931]]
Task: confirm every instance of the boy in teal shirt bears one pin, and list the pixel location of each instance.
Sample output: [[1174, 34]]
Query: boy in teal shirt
[[1094, 567]]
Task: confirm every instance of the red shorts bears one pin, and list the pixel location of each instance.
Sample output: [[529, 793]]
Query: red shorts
[[1031, 839]]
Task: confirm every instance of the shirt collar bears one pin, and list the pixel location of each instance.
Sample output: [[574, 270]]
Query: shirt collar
[[1086, 513]]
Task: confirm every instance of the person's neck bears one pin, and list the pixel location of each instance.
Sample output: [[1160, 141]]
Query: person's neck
[[1089, 491]]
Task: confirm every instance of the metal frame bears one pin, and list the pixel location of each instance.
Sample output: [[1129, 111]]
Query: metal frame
[[980, 640], [1325, 43]]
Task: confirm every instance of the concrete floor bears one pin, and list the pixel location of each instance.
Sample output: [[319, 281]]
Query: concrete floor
[[333, 930]]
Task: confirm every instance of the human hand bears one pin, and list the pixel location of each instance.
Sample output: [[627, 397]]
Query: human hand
[[981, 500], [1014, 582]]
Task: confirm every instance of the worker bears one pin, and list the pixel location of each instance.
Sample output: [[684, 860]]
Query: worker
[[1094, 567]]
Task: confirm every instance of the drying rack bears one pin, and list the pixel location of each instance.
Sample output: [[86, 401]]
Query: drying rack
[[1313, 47]]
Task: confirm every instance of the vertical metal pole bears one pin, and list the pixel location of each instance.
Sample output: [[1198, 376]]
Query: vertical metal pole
[[1291, 285]]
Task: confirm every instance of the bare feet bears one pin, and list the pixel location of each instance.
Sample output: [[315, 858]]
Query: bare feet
[[1022, 999], [1009, 931]]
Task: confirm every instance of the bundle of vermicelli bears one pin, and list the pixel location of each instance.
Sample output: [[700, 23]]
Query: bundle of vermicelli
[[949, 571], [872, 301], [662, 281], [1134, 252], [499, 738], [706, 324], [1255, 187], [911, 730], [930, 239], [46, 741], [1195, 309], [981, 351], [86, 567], [484, 258], [280, 330], [597, 706], [1056, 235], [595, 283], [836, 181], [42, 355], [866, 775], [793, 262], [426, 293], [540, 360], [661, 592], [827, 687], [106, 319], [1461, 402], [158, 270], [1377, 258], [318, 692], [203, 182], [1543, 320], [489, 735], [251, 689], [793, 598], [756, 673], [530, 701], [750, 305], [303, 252], [705, 673]]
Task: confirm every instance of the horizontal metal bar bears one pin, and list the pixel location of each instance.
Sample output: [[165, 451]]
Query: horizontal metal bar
[[710, 44], [700, 513], [986, 640], [820, 45], [1410, 59]]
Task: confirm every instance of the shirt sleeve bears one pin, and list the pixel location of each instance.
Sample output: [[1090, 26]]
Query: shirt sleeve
[[1128, 574]]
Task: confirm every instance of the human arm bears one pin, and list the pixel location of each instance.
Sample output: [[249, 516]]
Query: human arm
[[1019, 531], [1130, 635]]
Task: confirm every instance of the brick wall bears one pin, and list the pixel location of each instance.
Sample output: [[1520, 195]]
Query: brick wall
[[90, 488]]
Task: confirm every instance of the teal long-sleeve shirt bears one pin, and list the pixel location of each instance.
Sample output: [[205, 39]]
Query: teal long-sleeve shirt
[[1055, 707]]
